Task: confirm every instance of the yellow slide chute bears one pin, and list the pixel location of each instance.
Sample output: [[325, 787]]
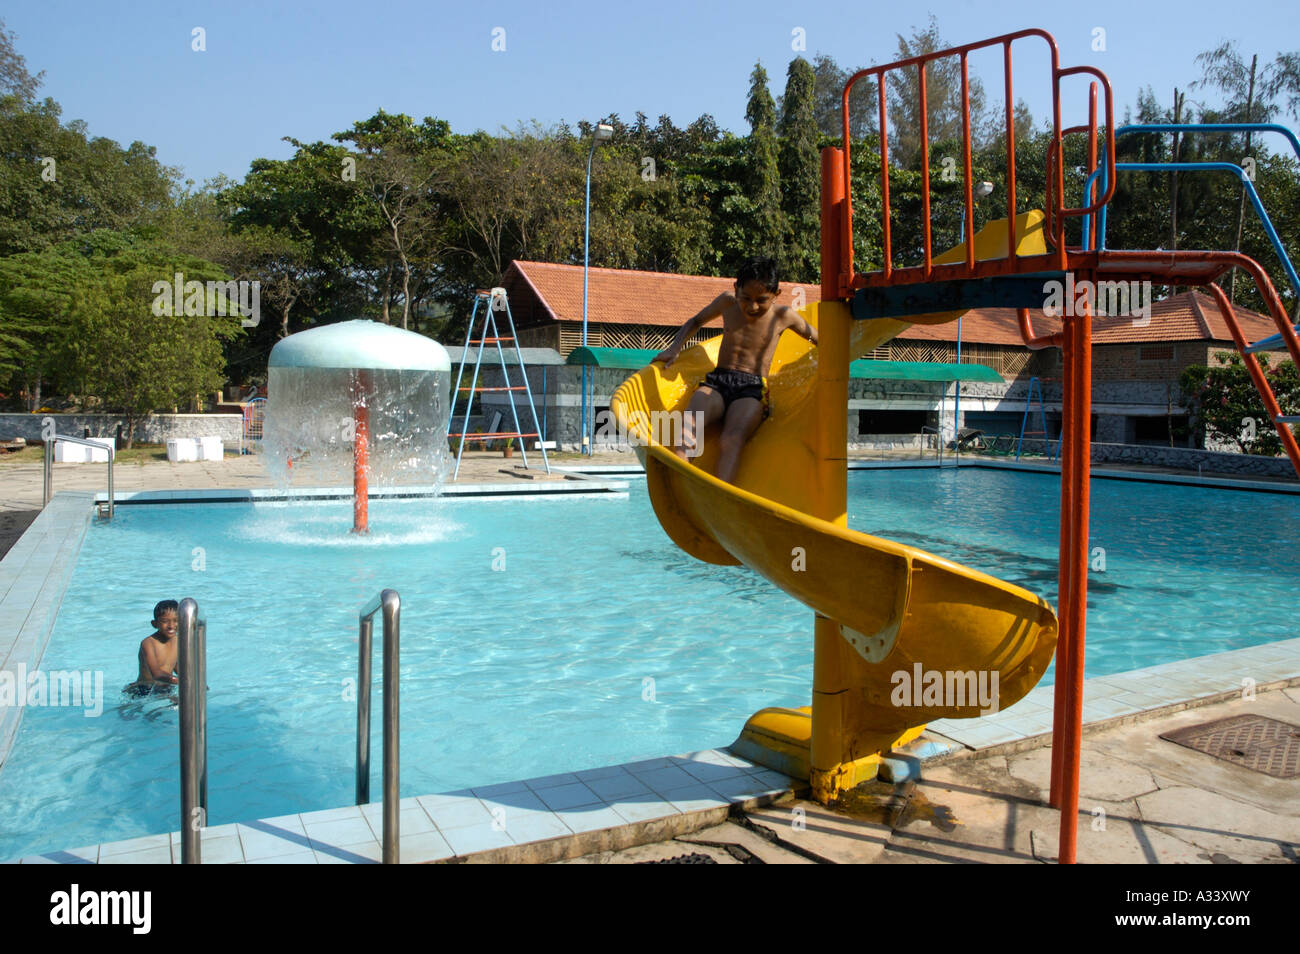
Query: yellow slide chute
[[881, 608]]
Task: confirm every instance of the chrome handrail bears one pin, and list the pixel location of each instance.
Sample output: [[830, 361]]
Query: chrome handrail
[[50, 440], [191, 666], [391, 604]]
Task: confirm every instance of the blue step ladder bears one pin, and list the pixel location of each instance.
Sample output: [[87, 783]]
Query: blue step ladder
[[489, 304], [1036, 386]]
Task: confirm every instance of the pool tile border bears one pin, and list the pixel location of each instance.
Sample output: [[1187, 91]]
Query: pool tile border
[[574, 485], [537, 820], [34, 576]]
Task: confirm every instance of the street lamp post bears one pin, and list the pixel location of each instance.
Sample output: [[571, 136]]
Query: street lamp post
[[981, 190], [603, 133]]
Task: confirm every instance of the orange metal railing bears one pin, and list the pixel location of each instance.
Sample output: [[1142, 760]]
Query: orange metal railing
[[846, 279]]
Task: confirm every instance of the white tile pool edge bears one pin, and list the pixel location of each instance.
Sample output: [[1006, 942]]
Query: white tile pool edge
[[570, 487], [575, 812], [34, 575]]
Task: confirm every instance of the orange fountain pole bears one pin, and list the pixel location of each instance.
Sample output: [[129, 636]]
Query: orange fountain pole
[[361, 452]]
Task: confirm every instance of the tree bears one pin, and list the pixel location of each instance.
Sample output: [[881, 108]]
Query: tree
[[508, 192], [56, 183], [828, 101], [944, 113], [767, 221], [1251, 98], [1226, 404], [800, 169], [36, 291], [14, 78], [138, 355], [402, 168]]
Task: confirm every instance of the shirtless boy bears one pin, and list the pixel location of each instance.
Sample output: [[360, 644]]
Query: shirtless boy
[[158, 651], [736, 392]]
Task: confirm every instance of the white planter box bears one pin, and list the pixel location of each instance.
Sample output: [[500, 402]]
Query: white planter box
[[211, 448], [65, 452], [182, 449]]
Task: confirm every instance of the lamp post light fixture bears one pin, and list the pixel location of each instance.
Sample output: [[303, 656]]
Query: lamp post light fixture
[[603, 133], [980, 190]]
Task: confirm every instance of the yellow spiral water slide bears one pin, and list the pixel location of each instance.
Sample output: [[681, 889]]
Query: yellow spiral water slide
[[881, 609]]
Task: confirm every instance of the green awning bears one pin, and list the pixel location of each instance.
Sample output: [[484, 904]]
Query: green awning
[[921, 371], [633, 359]]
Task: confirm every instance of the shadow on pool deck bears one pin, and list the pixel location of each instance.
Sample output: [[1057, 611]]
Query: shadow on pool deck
[[1142, 800]]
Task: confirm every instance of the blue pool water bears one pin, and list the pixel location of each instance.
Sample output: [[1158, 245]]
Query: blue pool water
[[598, 642]]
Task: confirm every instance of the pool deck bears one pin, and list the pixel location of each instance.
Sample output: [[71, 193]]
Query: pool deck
[[970, 791]]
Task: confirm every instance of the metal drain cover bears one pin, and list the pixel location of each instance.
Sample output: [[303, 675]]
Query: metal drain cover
[[1251, 741]]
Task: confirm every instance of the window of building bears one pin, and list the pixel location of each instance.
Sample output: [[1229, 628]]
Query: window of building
[[1156, 352], [879, 421]]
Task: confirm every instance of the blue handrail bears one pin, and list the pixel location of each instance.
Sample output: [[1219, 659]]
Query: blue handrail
[[1204, 167], [1149, 128], [1238, 171]]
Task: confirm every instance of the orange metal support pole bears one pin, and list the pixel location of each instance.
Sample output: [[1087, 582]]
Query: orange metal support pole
[[834, 281], [361, 452], [1011, 154], [1066, 533], [1080, 467], [926, 240]]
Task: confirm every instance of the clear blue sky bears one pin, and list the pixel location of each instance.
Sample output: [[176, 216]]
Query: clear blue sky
[[307, 70]]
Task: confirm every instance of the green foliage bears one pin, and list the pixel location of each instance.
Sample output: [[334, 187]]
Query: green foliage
[[14, 78], [1225, 403], [56, 183], [767, 223], [800, 169], [82, 319]]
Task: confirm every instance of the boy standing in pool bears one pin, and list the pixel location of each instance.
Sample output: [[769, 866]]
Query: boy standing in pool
[[158, 651], [736, 392]]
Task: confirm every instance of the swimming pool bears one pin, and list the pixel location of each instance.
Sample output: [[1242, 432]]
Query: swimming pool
[[593, 640]]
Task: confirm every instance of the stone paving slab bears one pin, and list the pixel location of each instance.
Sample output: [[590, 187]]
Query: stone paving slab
[[1143, 801]]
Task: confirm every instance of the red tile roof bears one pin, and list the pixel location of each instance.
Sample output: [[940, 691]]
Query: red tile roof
[[624, 296]]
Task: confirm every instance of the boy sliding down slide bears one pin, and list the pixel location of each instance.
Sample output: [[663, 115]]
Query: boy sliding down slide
[[737, 391]]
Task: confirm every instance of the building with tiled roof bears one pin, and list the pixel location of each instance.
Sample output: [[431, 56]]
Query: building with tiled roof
[[1136, 362], [632, 309]]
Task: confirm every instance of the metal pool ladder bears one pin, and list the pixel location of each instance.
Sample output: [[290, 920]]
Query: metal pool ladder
[[50, 440], [391, 604], [192, 666]]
